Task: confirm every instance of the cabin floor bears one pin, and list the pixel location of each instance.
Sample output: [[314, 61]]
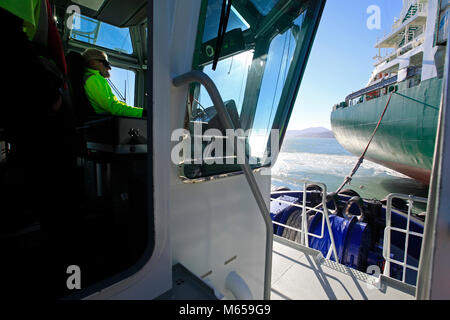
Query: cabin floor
[[300, 273]]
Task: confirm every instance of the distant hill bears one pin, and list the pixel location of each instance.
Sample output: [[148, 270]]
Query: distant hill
[[317, 132]]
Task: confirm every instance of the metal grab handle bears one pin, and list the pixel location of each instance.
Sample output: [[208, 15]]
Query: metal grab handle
[[224, 117]]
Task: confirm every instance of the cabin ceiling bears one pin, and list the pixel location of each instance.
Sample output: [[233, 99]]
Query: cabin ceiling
[[119, 13], [91, 4]]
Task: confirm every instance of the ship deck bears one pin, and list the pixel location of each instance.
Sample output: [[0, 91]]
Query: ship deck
[[301, 273]]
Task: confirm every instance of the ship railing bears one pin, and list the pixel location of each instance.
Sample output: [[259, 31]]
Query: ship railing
[[401, 24], [389, 260], [321, 208], [391, 55], [421, 9], [412, 39], [417, 40]]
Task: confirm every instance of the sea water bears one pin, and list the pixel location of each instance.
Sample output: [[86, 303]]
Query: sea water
[[325, 160]]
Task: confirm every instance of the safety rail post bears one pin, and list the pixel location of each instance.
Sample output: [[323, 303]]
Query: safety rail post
[[330, 231], [304, 223], [387, 234], [224, 117], [405, 255]]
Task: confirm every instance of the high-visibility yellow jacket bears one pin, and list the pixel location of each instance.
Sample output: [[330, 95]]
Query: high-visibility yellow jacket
[[27, 10], [102, 98]]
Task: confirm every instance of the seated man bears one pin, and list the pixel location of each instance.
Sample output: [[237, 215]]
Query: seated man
[[97, 88]]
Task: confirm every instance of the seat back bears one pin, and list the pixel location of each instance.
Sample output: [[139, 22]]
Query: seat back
[[81, 105]]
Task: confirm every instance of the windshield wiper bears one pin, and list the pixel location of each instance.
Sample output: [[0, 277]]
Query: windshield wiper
[[224, 15]]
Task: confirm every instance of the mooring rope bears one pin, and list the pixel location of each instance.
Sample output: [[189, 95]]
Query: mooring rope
[[421, 102], [361, 158]]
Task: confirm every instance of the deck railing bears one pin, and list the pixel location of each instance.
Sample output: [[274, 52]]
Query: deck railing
[[419, 8], [413, 36], [407, 232], [418, 37], [389, 228], [322, 208]]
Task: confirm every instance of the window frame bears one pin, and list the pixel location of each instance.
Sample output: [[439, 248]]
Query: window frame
[[314, 10], [132, 53]]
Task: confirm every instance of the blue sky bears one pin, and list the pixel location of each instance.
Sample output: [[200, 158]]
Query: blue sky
[[341, 59]]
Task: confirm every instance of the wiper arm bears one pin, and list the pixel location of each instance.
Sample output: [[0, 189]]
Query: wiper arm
[[224, 16]]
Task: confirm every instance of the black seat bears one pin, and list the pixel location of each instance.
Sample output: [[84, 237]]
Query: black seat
[[83, 110]]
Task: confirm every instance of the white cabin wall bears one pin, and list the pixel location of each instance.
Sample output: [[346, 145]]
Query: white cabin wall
[[213, 221], [429, 67]]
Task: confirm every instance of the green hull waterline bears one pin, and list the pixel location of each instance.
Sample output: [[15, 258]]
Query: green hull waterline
[[405, 140]]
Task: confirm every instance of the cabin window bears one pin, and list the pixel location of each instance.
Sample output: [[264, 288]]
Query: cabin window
[[230, 78], [372, 95], [236, 21], [101, 34], [264, 6], [275, 75], [123, 81], [258, 64], [414, 81], [355, 101]]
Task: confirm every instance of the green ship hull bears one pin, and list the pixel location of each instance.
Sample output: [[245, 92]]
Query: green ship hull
[[405, 140]]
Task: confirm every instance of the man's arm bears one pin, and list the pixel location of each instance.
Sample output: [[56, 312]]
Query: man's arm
[[103, 100]]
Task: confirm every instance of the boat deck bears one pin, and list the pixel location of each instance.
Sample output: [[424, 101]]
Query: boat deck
[[301, 273]]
